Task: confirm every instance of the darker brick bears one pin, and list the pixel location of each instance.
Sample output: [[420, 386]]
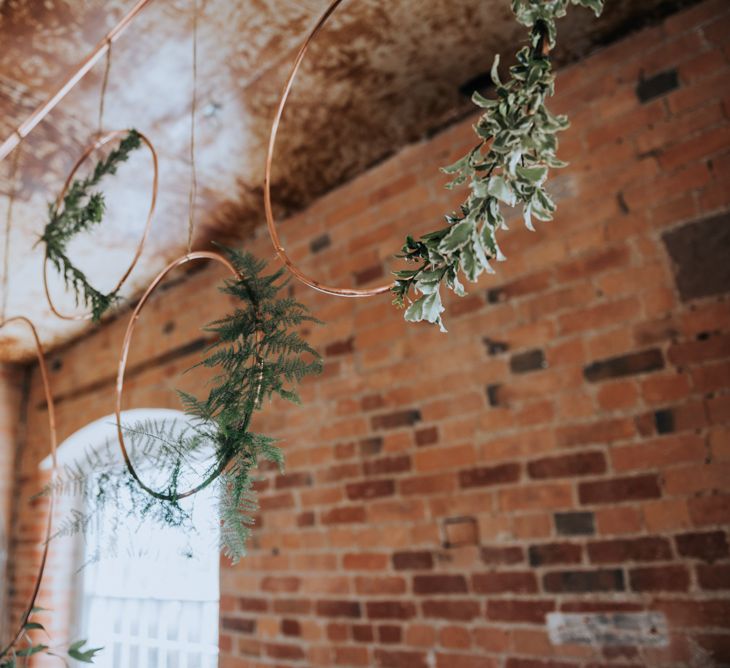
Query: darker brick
[[489, 475], [495, 347], [371, 402], [582, 463], [584, 581], [427, 436], [463, 609], [616, 490], [648, 548], [709, 546], [714, 577], [400, 659], [555, 553], [395, 464], [405, 418], [500, 582], [338, 608], [575, 524], [522, 611], [293, 480], [660, 578], [344, 515], [320, 243], [370, 489], [412, 561], [389, 634], [664, 421], [238, 625], [371, 446], [291, 627], [532, 360], [502, 556], [368, 274], [343, 347], [362, 633], [439, 584], [493, 395], [657, 85], [390, 609], [624, 365], [699, 253], [305, 519]]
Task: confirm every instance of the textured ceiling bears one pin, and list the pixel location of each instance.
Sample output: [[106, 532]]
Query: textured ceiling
[[380, 75]]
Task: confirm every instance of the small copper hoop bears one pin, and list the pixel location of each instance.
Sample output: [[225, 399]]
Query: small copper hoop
[[100, 141], [189, 257], [270, 223], [40, 354]]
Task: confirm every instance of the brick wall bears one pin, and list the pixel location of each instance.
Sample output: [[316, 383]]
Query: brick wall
[[563, 449], [11, 392]]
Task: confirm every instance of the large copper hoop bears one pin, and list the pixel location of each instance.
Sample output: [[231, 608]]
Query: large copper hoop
[[270, 223], [189, 257], [100, 141], [54, 473]]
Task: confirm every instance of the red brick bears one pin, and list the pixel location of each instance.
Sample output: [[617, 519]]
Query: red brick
[[567, 466], [714, 577], [516, 582], [497, 555], [489, 475], [617, 490], [659, 578], [707, 546], [637, 549], [521, 611], [439, 584], [400, 659], [338, 608], [412, 560], [458, 609], [370, 489], [390, 609], [548, 554]]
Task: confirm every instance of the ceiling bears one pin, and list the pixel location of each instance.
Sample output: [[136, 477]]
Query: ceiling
[[380, 75]]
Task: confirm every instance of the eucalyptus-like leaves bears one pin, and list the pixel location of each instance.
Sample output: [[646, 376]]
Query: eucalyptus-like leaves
[[509, 166]]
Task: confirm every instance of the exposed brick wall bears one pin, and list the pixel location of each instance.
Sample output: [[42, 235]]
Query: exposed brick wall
[[11, 394], [564, 448]]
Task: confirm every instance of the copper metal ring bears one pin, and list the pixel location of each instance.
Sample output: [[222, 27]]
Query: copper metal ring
[[54, 474], [189, 257], [270, 223], [100, 141]]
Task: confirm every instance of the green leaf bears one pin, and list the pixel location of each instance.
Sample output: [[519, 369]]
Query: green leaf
[[76, 651], [500, 189], [30, 651], [30, 626], [495, 72], [532, 174], [458, 236]]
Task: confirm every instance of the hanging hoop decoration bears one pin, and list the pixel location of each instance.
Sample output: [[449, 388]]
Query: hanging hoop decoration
[[270, 222], [126, 344], [24, 620], [57, 235]]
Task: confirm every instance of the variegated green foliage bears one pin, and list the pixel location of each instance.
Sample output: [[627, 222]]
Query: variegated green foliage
[[509, 166]]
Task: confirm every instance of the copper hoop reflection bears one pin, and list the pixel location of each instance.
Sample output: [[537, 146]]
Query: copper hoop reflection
[[54, 473], [189, 257], [270, 222], [96, 144]]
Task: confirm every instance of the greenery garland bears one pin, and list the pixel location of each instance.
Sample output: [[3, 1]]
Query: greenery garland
[[82, 209], [517, 145], [11, 656], [257, 355]]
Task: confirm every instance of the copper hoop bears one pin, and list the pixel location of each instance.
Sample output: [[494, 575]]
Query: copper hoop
[[54, 473], [189, 257], [270, 223], [100, 141]]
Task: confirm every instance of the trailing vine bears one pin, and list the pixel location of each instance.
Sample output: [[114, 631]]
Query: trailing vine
[[83, 208], [517, 146], [12, 656], [257, 355]]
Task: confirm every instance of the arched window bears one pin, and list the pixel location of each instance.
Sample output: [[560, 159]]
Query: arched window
[[153, 601]]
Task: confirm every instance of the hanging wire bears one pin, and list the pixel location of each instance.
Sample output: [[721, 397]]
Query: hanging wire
[[193, 110], [104, 84], [8, 229]]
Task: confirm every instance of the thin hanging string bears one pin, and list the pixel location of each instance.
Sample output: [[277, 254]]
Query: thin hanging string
[[193, 110], [104, 84], [8, 229]]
